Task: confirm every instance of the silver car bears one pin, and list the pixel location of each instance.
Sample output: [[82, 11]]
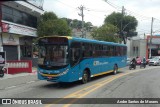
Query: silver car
[[154, 61]]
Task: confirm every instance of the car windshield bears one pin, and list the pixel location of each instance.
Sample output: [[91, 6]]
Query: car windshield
[[155, 59]]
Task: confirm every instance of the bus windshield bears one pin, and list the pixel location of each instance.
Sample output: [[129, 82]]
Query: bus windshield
[[52, 55]]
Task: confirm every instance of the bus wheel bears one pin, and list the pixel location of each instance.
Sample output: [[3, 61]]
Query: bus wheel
[[85, 77], [115, 69]]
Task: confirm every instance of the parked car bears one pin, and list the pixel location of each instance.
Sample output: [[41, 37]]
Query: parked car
[[154, 61], [157, 57], [138, 61], [147, 61]]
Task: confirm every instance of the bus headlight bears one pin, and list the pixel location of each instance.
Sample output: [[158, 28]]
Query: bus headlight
[[63, 73], [40, 71]]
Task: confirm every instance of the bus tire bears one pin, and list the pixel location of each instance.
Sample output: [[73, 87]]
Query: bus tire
[[85, 77], [115, 69]]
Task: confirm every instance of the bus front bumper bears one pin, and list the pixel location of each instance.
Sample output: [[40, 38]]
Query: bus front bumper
[[53, 77]]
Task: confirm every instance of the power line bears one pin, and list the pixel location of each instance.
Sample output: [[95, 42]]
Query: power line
[[135, 13], [113, 5], [66, 4], [96, 10], [94, 15]]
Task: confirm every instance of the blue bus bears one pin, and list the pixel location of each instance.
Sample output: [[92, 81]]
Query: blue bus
[[69, 59]]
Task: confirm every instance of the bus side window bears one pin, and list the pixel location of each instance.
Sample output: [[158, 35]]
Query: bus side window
[[86, 50], [75, 55], [75, 52]]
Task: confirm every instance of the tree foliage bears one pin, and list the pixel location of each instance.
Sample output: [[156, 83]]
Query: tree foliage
[[106, 33], [77, 23], [129, 23], [49, 24], [116, 23]]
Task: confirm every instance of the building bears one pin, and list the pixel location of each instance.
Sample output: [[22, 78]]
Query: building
[[136, 47], [153, 46], [145, 47], [18, 20], [77, 32]]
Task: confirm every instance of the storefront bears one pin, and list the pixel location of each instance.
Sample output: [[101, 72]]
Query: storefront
[[154, 46], [10, 45], [18, 28], [16, 41]]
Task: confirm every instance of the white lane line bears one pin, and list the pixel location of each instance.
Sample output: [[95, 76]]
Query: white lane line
[[30, 82], [10, 87]]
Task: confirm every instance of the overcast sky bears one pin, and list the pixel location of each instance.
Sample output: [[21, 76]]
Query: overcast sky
[[96, 10]]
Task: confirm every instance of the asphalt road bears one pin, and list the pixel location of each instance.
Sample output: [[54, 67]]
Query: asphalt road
[[139, 83]]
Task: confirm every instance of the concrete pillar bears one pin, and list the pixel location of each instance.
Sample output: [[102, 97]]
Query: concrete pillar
[[19, 52], [1, 46]]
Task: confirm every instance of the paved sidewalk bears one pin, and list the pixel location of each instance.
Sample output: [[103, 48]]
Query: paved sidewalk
[[7, 76]]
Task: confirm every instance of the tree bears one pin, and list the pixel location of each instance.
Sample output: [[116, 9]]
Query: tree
[[114, 19], [106, 33], [49, 24], [77, 23], [128, 22], [125, 23], [88, 26]]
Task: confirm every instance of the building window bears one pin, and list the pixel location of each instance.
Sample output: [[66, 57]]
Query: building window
[[26, 51], [16, 16], [7, 10], [134, 53], [7, 17]]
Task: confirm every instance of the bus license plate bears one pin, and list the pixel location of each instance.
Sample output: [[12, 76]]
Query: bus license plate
[[49, 77]]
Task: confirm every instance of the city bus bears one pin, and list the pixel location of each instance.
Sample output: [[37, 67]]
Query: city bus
[[69, 59]]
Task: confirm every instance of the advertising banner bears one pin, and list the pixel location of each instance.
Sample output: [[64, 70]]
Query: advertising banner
[[17, 29]]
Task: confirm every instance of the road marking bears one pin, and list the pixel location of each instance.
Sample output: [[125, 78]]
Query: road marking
[[85, 91], [10, 87], [30, 82]]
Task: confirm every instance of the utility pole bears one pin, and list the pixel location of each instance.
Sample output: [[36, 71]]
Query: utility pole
[[144, 36], [150, 50], [121, 30], [81, 8]]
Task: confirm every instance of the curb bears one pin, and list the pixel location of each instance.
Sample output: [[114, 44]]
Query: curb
[[9, 76]]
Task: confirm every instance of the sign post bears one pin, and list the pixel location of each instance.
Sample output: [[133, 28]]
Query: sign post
[[2, 59]]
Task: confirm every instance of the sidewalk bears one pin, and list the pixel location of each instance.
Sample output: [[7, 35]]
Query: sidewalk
[[7, 76]]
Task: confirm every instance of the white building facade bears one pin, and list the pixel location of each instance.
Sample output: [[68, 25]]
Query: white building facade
[[18, 20], [147, 47], [136, 47]]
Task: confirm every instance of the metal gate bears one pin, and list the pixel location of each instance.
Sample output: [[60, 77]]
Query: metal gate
[[11, 52]]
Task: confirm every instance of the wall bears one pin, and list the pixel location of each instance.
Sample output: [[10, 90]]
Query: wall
[[143, 44], [136, 48]]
